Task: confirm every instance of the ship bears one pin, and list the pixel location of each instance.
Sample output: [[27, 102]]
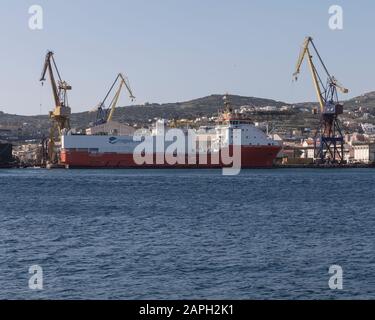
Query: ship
[[234, 134]]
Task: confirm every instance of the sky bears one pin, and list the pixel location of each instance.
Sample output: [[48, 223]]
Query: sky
[[178, 50]]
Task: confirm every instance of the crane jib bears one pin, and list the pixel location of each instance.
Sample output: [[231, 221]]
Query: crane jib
[[104, 114]]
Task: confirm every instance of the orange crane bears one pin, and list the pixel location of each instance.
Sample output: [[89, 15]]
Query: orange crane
[[60, 116]]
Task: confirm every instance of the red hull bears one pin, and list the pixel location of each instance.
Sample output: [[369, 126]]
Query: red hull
[[251, 157]]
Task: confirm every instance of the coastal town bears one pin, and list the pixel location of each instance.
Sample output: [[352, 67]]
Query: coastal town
[[293, 126]]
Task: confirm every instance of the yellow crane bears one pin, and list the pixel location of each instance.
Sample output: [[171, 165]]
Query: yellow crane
[[104, 114], [329, 141], [60, 116], [306, 53]]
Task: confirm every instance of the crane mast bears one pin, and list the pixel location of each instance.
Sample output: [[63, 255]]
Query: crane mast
[[329, 139], [305, 52], [104, 114], [60, 116]]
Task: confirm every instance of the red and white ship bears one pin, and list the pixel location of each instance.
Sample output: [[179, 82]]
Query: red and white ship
[[109, 151]]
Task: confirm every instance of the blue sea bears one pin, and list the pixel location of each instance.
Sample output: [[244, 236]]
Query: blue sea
[[187, 234]]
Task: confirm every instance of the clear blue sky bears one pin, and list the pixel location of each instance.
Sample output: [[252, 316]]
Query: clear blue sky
[[176, 50]]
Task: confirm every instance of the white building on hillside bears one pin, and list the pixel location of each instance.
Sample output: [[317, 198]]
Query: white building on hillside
[[364, 153]]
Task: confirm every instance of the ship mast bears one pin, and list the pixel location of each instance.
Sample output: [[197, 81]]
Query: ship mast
[[227, 106]]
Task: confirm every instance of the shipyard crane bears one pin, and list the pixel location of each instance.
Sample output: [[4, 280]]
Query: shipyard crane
[[104, 114], [329, 139], [60, 116]]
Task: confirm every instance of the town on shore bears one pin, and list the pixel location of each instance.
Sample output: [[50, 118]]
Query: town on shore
[[293, 125]]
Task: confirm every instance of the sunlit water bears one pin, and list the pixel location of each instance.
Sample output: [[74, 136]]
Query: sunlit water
[[187, 234]]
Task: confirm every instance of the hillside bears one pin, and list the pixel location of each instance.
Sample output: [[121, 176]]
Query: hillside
[[36, 126], [191, 109], [140, 114], [366, 100]]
